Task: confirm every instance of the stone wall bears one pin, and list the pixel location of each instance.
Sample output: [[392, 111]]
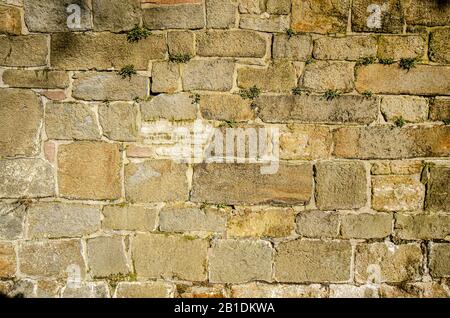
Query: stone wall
[[92, 204]]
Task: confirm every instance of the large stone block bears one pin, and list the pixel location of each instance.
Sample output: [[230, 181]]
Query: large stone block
[[397, 47], [440, 260], [169, 106], [183, 16], [10, 20], [35, 78], [12, 216], [23, 51], [439, 50], [7, 260], [116, 15], [119, 121], [422, 226], [106, 256], [212, 75], [366, 226], [297, 47], [377, 16], [191, 220], [221, 14], [262, 290], [424, 12], [129, 218], [318, 224], [438, 188], [322, 76], [145, 290], [226, 107], [350, 48], [411, 109]]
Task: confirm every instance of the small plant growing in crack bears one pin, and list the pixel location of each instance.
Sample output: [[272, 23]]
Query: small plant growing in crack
[[179, 58], [386, 61], [252, 93], [408, 63], [367, 94], [230, 123], [309, 61], [332, 94], [290, 33], [138, 33], [447, 122], [366, 60], [297, 91], [195, 98], [127, 71], [400, 122]]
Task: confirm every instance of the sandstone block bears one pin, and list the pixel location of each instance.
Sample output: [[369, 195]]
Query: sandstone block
[[318, 224], [144, 290], [377, 16], [304, 142], [438, 188], [181, 42], [296, 47], [11, 21], [106, 256], [264, 23], [221, 14], [322, 76], [439, 50], [191, 220], [116, 15], [366, 226], [172, 107], [214, 75], [411, 109], [11, 220], [166, 77], [7, 260], [119, 121], [440, 260], [397, 47], [422, 226], [23, 51], [129, 218], [225, 107], [430, 13], [183, 16], [261, 290], [350, 48], [35, 79]]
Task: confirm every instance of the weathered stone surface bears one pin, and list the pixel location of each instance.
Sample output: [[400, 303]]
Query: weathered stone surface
[[215, 291], [440, 109], [156, 181], [7, 260], [318, 224], [340, 185], [366, 226], [106, 256], [20, 117], [129, 218], [350, 48], [438, 188], [423, 12], [277, 77], [440, 260], [166, 77], [273, 222], [163, 256], [261, 290], [377, 16], [26, 51], [391, 142], [225, 107], [144, 290], [10, 20], [53, 16], [397, 193], [244, 184], [350, 291], [322, 76], [35, 79], [296, 47], [221, 14], [411, 109], [386, 262], [11, 220], [422, 226], [172, 107], [317, 109], [116, 15], [440, 46], [26, 178], [252, 6], [181, 42], [302, 142], [101, 86], [231, 44], [191, 220], [50, 258], [57, 220], [87, 290], [213, 75], [101, 51], [264, 23], [233, 261], [390, 79], [89, 170], [320, 16], [119, 121], [183, 16], [397, 47], [312, 261], [71, 121], [278, 6]]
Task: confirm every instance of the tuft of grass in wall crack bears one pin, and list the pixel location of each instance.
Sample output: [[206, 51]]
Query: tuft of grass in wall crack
[[290, 33], [408, 63], [138, 33], [251, 93], [297, 91], [230, 123], [386, 61], [366, 61], [367, 94], [309, 61], [179, 58], [127, 71], [195, 99], [332, 94], [400, 122], [447, 122]]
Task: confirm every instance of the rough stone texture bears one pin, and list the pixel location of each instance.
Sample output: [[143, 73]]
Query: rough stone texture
[[296, 47], [267, 223], [116, 15], [7, 260], [156, 181], [302, 142], [191, 220], [71, 121], [390, 79], [439, 46], [183, 16], [350, 48], [366, 226], [221, 14], [261, 290], [213, 75], [317, 224], [411, 109], [423, 12], [317, 109], [166, 77], [216, 291], [438, 188], [181, 42], [106, 256], [440, 109], [320, 16], [277, 77], [83, 51], [398, 47], [225, 107], [129, 218], [56, 220], [391, 142], [322, 76], [11, 22], [244, 184], [161, 256], [231, 44], [87, 290], [350, 291], [440, 260], [172, 107], [20, 117], [386, 262], [312, 261], [108, 86], [240, 261], [384, 16], [35, 79], [11, 220], [119, 121], [50, 258], [422, 226], [397, 193], [144, 290], [340, 185], [89, 170], [23, 51], [26, 178], [264, 23]]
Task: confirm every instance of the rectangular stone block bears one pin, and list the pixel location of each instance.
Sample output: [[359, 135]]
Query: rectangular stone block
[[244, 184], [318, 224], [264, 23], [169, 257], [297, 47], [440, 260], [221, 14], [102, 51], [391, 79], [10, 20], [429, 13], [119, 120], [35, 79], [169, 106], [438, 188], [145, 290], [411, 109], [262, 290], [422, 226], [57, 220], [7, 260], [305, 142], [397, 47], [233, 261], [116, 15], [129, 218], [386, 142], [23, 51], [191, 220], [322, 76], [377, 16], [440, 109], [439, 47], [12, 216], [351, 48], [183, 16], [366, 226], [303, 261], [223, 107], [181, 43], [211, 75], [106, 256], [166, 77]]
